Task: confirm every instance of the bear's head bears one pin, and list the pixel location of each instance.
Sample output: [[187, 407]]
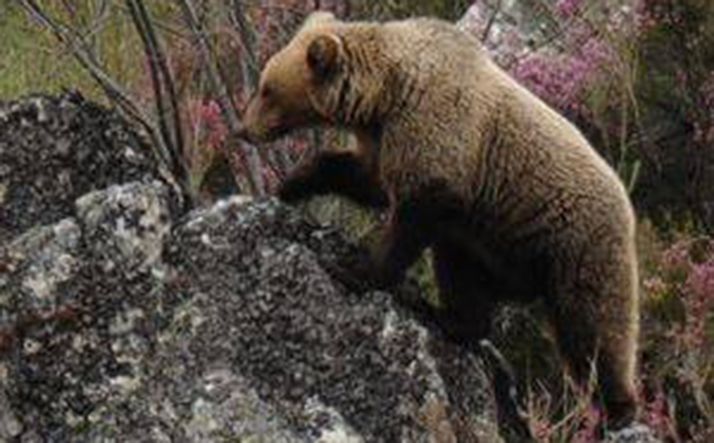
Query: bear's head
[[311, 81]]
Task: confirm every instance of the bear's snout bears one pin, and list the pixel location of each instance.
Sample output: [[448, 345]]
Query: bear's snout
[[254, 122]]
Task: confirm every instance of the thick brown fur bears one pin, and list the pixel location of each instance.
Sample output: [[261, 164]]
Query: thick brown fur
[[509, 195]]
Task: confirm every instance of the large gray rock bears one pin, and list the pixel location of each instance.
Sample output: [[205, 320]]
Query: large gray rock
[[56, 149], [229, 327]]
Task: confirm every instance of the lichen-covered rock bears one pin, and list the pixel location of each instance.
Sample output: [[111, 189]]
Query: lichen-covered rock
[[228, 325], [637, 433], [55, 149]]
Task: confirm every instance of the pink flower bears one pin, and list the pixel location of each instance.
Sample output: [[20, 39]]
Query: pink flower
[[568, 8], [676, 258], [563, 78], [589, 426], [701, 281], [206, 123], [657, 414]]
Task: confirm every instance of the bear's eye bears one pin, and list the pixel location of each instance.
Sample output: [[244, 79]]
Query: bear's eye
[[266, 92]]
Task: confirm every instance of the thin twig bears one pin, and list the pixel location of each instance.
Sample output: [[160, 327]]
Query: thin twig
[[155, 78], [112, 88], [169, 126], [167, 78], [76, 44], [491, 21], [253, 162], [251, 71], [238, 19]]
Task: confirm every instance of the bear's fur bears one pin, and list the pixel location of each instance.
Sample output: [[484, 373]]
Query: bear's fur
[[513, 201]]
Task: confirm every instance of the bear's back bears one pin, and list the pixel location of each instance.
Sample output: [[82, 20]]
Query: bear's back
[[477, 124], [435, 47]]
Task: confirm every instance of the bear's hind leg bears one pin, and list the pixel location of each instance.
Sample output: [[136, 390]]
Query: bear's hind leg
[[594, 311]]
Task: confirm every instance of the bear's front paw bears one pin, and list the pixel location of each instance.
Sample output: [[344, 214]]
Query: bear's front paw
[[360, 275], [353, 280]]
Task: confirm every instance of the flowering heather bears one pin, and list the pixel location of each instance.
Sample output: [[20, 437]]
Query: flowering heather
[[562, 74], [678, 340], [557, 79], [700, 303], [592, 418], [568, 8], [688, 267], [657, 415], [563, 79], [206, 123], [503, 40]]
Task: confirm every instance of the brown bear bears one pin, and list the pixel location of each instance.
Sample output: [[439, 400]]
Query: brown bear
[[513, 201]]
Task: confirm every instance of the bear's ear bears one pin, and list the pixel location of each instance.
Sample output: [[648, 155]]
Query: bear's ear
[[323, 55]]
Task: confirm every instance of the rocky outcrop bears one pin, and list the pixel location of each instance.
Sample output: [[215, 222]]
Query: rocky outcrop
[[227, 324], [119, 320]]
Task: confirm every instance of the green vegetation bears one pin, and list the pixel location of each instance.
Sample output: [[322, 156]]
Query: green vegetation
[[30, 60]]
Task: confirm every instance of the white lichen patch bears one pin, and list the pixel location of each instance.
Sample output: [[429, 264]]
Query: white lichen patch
[[52, 263], [139, 242], [425, 358], [159, 436], [129, 349], [44, 276], [165, 409], [388, 329], [216, 213], [336, 430], [67, 228], [64, 179], [79, 342], [124, 321], [636, 433], [40, 286], [73, 420], [126, 384], [227, 406], [207, 240], [31, 346], [339, 434], [10, 426], [3, 192], [202, 418], [130, 153], [41, 108]]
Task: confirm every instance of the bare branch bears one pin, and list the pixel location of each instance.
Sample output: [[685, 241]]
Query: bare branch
[[238, 19], [251, 71], [162, 80], [491, 20], [113, 89], [253, 161], [77, 45]]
